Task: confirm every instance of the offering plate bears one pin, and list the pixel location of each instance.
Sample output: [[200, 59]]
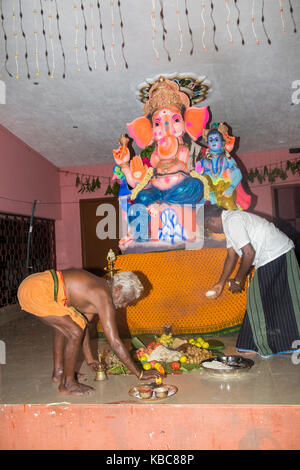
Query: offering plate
[[236, 366]]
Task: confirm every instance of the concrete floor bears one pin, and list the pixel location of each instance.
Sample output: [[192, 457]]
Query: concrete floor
[[26, 376]]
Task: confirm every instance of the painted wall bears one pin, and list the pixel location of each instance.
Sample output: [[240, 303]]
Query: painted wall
[[68, 235], [25, 176]]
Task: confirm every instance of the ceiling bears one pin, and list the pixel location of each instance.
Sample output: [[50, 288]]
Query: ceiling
[[78, 119]]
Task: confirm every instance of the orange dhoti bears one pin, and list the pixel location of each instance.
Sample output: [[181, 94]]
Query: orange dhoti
[[43, 294]]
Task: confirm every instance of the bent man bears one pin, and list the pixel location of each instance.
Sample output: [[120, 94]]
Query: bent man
[[272, 320], [67, 300]]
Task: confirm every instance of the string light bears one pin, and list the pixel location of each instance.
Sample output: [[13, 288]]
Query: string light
[[51, 39], [214, 25], [36, 40], [122, 34], [44, 34], [154, 30], [75, 8], [179, 28], [113, 43], [190, 29], [85, 37], [252, 21], [164, 31], [101, 34], [204, 25], [16, 41], [60, 40], [92, 34], [228, 22], [5, 41], [281, 15]]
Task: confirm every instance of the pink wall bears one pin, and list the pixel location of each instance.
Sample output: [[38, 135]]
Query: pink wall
[[271, 159], [68, 235], [25, 176]]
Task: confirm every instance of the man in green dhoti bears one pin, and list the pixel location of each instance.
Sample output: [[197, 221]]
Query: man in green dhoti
[[272, 320]]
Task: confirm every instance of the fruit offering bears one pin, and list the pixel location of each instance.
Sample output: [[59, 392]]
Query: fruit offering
[[195, 355], [166, 340], [199, 342]]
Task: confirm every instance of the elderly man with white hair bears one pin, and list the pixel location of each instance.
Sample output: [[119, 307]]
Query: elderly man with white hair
[[67, 300]]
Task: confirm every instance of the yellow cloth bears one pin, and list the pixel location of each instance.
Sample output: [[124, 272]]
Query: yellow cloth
[[36, 295], [180, 280]]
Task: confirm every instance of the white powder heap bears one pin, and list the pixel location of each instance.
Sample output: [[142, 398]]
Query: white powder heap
[[216, 365]]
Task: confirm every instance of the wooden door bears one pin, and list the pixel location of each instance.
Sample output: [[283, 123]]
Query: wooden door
[[99, 220]]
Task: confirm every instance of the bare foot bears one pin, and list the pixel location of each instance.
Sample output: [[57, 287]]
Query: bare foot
[[246, 353], [75, 388], [57, 375]]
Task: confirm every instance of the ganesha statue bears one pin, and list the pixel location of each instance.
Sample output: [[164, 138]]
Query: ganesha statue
[[167, 122], [221, 170]]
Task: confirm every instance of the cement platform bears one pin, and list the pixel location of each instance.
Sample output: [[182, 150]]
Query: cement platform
[[259, 411]]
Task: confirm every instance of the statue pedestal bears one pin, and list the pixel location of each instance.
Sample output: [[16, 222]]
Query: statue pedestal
[[175, 286]]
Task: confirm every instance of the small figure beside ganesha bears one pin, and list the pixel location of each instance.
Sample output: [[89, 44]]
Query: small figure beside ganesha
[[165, 184]]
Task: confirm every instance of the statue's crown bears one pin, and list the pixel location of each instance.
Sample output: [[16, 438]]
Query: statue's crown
[[163, 94]]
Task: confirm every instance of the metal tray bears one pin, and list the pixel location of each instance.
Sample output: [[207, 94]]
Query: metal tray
[[238, 366], [134, 392]]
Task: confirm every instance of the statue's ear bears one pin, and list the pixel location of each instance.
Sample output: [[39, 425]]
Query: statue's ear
[[141, 131], [195, 121]]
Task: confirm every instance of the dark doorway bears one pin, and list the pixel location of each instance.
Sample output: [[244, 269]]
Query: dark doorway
[[99, 232], [286, 209]]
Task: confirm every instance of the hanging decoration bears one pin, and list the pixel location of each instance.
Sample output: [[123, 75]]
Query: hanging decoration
[[154, 30], [122, 34], [113, 39], [86, 22], [292, 16], [16, 41], [75, 8], [214, 25], [85, 37], [204, 25], [45, 40], [51, 38], [93, 35], [271, 174], [101, 35], [24, 37], [179, 28], [189, 27], [35, 32], [253, 26], [5, 41], [60, 39], [263, 23], [281, 16], [87, 184], [238, 22], [228, 22], [162, 19]]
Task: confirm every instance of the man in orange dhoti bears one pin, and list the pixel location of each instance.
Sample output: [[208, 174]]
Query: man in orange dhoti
[[67, 301]]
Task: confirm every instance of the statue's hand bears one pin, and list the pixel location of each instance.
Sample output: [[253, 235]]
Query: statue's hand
[[121, 155], [138, 169], [229, 191]]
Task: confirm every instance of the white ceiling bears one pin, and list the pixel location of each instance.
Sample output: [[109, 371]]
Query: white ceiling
[[251, 85]]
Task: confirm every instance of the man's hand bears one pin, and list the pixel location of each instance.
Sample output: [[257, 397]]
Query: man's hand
[[218, 288], [94, 365], [235, 286], [150, 374]]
